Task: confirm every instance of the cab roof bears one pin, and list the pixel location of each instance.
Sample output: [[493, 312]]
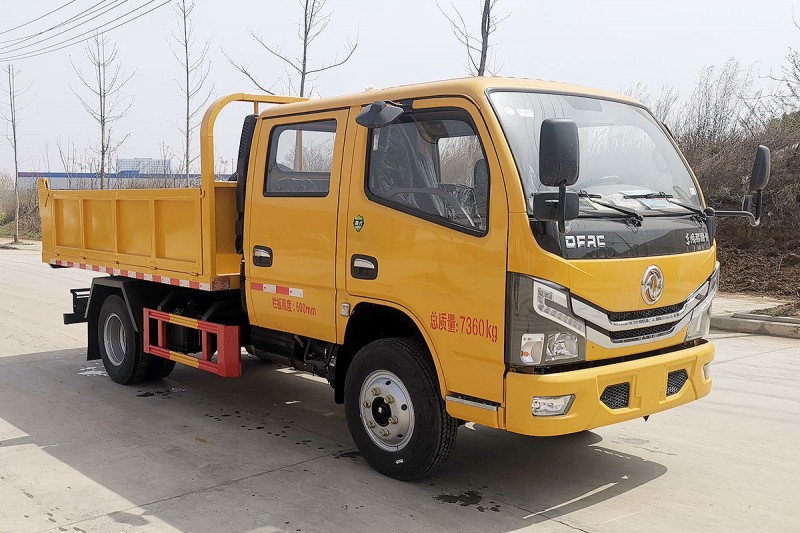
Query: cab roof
[[474, 88]]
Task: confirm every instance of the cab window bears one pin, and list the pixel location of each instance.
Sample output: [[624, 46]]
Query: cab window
[[431, 164], [300, 158]]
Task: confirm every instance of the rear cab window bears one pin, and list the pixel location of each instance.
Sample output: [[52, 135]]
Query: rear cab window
[[300, 159]]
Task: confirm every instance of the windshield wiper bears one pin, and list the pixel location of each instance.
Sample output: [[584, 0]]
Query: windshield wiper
[[583, 193], [669, 198]]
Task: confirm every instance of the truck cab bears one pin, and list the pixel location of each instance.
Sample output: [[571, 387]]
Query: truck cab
[[527, 255]]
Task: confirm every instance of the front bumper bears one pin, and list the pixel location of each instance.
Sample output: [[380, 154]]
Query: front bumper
[[647, 379]]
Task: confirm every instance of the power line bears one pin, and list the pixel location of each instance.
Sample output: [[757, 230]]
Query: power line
[[15, 48], [18, 40], [101, 29], [37, 18]]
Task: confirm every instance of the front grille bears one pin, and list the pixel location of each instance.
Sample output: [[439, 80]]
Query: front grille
[[676, 380], [639, 332], [624, 316], [616, 396]]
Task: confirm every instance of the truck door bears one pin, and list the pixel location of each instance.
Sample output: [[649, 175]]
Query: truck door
[[428, 231], [290, 243]]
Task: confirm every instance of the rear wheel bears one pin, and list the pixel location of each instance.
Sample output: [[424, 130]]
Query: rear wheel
[[158, 367], [120, 344], [395, 410]]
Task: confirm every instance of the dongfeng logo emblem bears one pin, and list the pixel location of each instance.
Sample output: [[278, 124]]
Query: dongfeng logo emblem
[[652, 284]]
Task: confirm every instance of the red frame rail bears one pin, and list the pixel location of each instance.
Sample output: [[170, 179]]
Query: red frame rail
[[229, 355]]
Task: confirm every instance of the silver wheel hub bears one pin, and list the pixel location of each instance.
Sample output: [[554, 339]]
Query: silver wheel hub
[[386, 410], [114, 339]]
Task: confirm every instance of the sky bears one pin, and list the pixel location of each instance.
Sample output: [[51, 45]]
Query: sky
[[612, 45]]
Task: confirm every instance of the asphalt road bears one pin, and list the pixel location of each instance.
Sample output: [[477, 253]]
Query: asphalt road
[[270, 451]]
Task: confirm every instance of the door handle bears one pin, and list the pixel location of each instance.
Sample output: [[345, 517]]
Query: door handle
[[262, 256], [363, 267]]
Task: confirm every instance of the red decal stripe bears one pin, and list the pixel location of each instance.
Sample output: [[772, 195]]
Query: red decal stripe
[[218, 283]]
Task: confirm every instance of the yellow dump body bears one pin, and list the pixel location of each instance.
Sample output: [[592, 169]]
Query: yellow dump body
[[180, 237]]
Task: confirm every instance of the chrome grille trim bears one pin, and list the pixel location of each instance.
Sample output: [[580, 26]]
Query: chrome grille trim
[[599, 318], [602, 339]]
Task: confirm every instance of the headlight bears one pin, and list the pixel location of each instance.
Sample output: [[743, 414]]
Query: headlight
[[700, 323], [541, 328], [562, 347], [551, 348], [553, 304]]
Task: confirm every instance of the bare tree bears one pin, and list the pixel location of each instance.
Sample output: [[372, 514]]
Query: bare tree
[[478, 49], [105, 84], [10, 113], [314, 23], [195, 70], [715, 115], [663, 103], [69, 159]]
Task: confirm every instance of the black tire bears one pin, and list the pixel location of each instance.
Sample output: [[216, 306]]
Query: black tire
[[261, 354], [158, 367], [433, 430], [123, 356]]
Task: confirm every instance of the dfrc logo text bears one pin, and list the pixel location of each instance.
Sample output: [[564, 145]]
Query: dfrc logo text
[[585, 241]]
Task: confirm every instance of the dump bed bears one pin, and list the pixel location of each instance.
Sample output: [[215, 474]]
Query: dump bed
[[180, 237]]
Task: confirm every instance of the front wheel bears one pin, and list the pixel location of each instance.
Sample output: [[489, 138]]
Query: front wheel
[[395, 411]]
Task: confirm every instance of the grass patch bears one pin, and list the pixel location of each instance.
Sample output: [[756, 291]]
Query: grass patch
[[790, 310]]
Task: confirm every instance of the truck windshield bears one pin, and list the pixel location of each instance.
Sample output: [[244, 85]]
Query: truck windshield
[[625, 158]]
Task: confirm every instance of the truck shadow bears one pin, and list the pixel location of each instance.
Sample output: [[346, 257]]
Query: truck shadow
[[268, 449], [545, 477]]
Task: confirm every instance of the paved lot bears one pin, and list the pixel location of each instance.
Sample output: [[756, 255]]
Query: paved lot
[[270, 451]]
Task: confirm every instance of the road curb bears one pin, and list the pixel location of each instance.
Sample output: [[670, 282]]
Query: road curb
[[755, 325]]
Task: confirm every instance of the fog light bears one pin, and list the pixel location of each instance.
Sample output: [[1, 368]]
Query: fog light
[[707, 370], [551, 405]]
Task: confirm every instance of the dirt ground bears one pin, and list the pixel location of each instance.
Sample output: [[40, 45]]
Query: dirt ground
[[764, 261], [30, 227]]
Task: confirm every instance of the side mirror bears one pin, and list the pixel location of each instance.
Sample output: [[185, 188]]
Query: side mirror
[[546, 206], [753, 204], [558, 167], [378, 114], [761, 167], [558, 152]]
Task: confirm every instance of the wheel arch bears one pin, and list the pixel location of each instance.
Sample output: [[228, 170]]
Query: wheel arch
[[371, 321]]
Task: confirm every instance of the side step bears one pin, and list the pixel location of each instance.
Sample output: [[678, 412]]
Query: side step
[[228, 356]]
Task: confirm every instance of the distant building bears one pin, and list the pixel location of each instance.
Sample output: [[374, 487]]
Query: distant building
[[144, 166]]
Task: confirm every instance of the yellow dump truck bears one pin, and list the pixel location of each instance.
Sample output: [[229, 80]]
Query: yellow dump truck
[[526, 255]]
